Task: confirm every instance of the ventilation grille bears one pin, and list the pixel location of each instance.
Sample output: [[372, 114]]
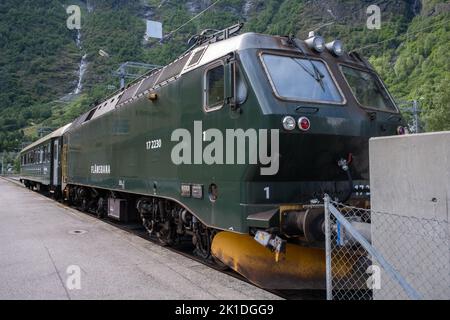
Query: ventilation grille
[[129, 92], [196, 57], [173, 69], [149, 82], [90, 114]]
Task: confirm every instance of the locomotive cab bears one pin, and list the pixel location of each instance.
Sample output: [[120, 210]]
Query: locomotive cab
[[326, 105]]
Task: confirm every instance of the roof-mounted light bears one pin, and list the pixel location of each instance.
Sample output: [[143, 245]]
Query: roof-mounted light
[[336, 47], [315, 42]]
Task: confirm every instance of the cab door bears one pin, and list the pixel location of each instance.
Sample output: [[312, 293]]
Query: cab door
[[221, 180]]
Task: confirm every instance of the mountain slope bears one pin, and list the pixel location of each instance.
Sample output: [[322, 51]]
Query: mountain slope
[[39, 60], [37, 63]]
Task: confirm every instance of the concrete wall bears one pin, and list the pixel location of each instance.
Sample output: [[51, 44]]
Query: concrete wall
[[410, 184]]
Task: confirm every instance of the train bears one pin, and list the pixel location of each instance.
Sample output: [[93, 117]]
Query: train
[[232, 145]]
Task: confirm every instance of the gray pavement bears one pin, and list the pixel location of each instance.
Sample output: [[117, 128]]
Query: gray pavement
[[37, 246]]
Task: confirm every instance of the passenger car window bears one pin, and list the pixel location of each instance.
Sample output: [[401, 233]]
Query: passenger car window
[[298, 79], [214, 88], [49, 154], [367, 89]]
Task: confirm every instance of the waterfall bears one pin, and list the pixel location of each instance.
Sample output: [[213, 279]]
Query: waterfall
[[89, 7], [82, 66], [248, 5]]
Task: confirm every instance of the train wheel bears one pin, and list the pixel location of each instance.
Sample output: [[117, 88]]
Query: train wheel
[[165, 234], [202, 241], [84, 205], [146, 208], [102, 207], [148, 225]]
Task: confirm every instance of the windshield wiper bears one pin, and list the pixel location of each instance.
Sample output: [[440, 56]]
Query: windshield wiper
[[319, 75], [316, 74]]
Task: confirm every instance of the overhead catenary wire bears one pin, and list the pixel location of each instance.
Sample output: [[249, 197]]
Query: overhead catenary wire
[[217, 1], [192, 19], [352, 12], [161, 4], [363, 7], [400, 35]]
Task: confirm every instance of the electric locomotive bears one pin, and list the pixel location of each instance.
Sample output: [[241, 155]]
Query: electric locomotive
[[235, 144]]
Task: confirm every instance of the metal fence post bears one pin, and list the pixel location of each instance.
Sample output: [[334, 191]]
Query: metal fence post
[[416, 116], [328, 248]]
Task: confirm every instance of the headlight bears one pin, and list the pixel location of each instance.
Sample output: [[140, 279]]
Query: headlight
[[315, 42], [289, 123], [335, 47]]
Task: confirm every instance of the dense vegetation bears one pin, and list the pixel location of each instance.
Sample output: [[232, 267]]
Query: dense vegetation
[[39, 59]]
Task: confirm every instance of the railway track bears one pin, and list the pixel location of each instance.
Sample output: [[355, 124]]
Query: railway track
[[186, 249]]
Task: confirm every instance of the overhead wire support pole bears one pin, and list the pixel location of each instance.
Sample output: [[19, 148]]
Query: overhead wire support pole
[[413, 107], [122, 76], [416, 111], [329, 275], [130, 70]]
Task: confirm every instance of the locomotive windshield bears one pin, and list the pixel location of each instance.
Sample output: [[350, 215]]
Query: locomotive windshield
[[367, 89], [300, 79]]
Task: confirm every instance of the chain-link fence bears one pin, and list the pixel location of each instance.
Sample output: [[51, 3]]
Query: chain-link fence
[[375, 255]]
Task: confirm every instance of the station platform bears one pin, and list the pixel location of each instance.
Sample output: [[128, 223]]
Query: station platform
[[43, 244]]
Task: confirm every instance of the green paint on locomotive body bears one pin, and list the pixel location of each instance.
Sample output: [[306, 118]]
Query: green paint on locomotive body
[[114, 151]]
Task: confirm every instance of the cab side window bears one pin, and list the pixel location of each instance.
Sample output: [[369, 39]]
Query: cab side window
[[214, 88]]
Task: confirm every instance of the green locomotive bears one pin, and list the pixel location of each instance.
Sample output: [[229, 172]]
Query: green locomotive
[[239, 138]]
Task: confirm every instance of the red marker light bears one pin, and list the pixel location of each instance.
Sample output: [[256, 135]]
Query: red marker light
[[304, 124]]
